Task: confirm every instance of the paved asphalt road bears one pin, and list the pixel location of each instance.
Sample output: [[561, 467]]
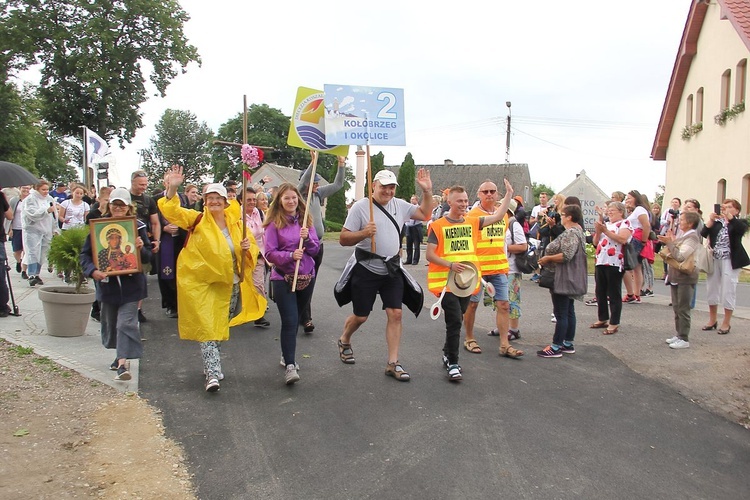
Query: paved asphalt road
[[584, 426]]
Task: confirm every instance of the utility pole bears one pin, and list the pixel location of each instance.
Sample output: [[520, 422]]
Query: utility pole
[[507, 136]]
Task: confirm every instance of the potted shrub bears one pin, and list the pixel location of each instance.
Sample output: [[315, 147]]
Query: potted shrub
[[67, 307]]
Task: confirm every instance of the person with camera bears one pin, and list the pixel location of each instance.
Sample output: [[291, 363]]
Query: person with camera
[[725, 230]]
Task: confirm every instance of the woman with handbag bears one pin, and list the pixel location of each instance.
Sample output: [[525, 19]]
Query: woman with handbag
[[284, 230], [641, 227], [682, 274], [567, 254], [610, 238], [725, 232]]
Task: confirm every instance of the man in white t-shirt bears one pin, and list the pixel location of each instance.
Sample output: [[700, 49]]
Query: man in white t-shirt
[[370, 276], [542, 207]]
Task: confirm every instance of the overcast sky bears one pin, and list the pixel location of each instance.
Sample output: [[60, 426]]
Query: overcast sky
[[586, 79]]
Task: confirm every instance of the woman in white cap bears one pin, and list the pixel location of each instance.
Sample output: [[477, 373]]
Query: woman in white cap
[[119, 295], [209, 268]]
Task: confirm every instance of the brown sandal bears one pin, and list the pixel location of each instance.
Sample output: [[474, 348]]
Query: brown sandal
[[599, 324], [346, 353], [472, 346], [511, 352], [397, 371], [611, 330]]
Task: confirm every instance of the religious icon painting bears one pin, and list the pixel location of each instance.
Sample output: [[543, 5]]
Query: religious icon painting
[[113, 245]]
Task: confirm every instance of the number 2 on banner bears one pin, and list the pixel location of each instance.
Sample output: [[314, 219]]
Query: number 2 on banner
[[385, 111]]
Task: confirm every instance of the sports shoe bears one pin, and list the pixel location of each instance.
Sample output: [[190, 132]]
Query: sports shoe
[[24, 275], [628, 299], [647, 293], [591, 302], [553, 319], [568, 349], [171, 313], [212, 384], [262, 322], [291, 376], [18, 267], [113, 366], [636, 299], [122, 373], [141, 317], [535, 277], [549, 352], [514, 335], [679, 344], [96, 316], [454, 373], [283, 363], [672, 339]]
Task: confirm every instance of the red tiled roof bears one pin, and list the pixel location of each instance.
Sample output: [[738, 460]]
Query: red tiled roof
[[738, 14]]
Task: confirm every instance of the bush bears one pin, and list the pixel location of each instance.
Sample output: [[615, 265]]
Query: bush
[[65, 253]]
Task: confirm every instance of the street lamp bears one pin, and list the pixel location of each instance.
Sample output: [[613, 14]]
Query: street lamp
[[507, 136]]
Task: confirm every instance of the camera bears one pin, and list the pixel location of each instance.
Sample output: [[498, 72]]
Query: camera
[[674, 212]]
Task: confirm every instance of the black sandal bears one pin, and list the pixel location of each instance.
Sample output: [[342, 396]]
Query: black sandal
[[309, 327], [346, 353]]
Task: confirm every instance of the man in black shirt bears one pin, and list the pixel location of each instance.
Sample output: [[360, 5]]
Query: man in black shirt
[[146, 212]]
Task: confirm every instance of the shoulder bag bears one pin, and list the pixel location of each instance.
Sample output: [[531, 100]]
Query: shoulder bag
[[571, 278], [526, 261], [686, 266]]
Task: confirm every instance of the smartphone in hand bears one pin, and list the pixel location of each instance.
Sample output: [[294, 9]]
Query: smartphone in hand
[[717, 209]]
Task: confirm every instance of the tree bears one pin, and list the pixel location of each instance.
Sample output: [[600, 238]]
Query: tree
[[94, 57], [541, 188], [266, 127], [180, 139], [27, 141], [406, 176]]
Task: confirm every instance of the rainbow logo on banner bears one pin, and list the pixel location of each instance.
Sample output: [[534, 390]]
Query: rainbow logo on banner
[[307, 127]]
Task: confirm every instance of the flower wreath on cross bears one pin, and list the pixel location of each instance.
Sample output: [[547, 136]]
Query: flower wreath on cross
[[251, 156]]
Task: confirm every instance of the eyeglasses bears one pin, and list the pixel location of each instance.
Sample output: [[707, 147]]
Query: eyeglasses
[[488, 191]]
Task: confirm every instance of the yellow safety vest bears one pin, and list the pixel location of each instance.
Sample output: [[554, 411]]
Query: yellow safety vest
[[456, 242], [491, 245]]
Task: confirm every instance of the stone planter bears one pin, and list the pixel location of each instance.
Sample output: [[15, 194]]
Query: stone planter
[[66, 312]]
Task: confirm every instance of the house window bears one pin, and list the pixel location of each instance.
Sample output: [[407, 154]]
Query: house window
[[699, 106], [745, 195], [721, 190], [689, 110], [725, 81], [740, 81]]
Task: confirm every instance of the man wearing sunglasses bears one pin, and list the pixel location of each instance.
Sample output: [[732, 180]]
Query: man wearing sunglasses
[[494, 268]]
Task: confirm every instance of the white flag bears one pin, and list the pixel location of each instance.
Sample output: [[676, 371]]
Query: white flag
[[96, 145]]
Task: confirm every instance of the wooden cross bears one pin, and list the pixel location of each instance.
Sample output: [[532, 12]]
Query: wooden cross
[[244, 177]]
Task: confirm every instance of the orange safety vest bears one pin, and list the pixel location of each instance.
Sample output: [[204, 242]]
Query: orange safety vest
[[456, 242], [491, 246]]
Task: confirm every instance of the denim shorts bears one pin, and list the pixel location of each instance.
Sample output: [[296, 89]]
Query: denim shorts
[[500, 282]]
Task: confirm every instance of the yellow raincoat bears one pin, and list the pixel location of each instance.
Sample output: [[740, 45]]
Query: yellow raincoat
[[205, 274]]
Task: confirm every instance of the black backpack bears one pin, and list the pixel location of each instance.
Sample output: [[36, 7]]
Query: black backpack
[[526, 262]]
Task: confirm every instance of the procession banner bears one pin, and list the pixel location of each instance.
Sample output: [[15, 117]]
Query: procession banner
[[364, 115], [307, 126]]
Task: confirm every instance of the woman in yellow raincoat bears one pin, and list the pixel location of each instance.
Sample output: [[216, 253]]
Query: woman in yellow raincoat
[[209, 286]]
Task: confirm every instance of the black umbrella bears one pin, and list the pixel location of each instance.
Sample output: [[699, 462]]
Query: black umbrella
[[12, 175]]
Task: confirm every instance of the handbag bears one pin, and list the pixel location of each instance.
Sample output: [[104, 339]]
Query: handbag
[[686, 266], [571, 278], [630, 256], [547, 278], [303, 280], [705, 259]]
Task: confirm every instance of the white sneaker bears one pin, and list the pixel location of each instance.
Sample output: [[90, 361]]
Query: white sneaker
[[673, 339], [282, 363], [212, 385], [679, 344], [291, 376]]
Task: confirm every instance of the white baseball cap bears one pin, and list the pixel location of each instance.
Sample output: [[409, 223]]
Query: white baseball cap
[[121, 194], [386, 178], [217, 188]]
